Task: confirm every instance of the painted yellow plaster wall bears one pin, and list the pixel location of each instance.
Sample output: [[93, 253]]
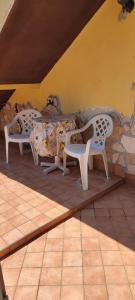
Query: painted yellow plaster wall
[[98, 68], [25, 93]]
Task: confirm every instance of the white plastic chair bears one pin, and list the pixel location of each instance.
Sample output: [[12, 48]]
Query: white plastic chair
[[102, 128], [25, 118]]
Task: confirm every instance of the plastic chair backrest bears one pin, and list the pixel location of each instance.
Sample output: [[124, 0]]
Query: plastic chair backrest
[[102, 128], [26, 118]]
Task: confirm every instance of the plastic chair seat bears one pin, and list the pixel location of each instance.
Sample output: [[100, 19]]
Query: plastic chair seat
[[75, 150], [18, 138]]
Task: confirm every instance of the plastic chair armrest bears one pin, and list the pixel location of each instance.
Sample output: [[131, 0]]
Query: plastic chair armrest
[[70, 133], [76, 131], [7, 127]]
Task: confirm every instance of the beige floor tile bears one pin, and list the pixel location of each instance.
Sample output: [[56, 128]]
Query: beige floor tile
[[72, 276], [92, 258], [53, 244], [38, 245], [2, 219], [14, 261], [88, 230], [23, 207], [41, 220], [31, 213], [112, 258], [18, 220], [132, 286], [26, 293], [94, 275], [53, 213], [29, 277], [33, 260], [115, 275], [27, 196], [90, 244], [12, 236], [72, 232], [50, 276], [11, 276], [3, 244], [27, 227], [10, 292], [108, 243], [72, 259], [49, 293], [72, 244], [95, 292], [119, 292], [5, 227], [72, 292], [44, 207], [130, 273], [4, 207], [35, 201], [52, 259], [57, 232]]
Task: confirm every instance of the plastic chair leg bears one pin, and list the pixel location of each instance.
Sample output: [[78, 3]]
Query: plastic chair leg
[[7, 151], [21, 148], [106, 165], [90, 162], [64, 159], [84, 173], [65, 170]]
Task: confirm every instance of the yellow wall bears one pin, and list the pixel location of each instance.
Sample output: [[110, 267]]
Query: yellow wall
[[98, 68], [24, 93]]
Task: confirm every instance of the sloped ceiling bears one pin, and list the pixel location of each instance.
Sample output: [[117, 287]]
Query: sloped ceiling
[[5, 96], [5, 7], [36, 34]]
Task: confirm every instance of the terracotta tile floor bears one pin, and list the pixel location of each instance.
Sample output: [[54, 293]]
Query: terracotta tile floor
[[96, 262], [90, 256], [29, 199]]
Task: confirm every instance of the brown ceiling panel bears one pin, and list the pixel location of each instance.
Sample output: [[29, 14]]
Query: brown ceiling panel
[[36, 34], [5, 96]]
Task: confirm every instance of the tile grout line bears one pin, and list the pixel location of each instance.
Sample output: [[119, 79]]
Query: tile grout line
[[19, 276], [61, 285], [82, 255], [38, 286]]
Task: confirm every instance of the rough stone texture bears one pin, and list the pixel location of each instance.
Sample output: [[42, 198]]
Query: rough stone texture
[[115, 157], [118, 147], [133, 130], [122, 160], [6, 116], [131, 159], [131, 169], [126, 127], [90, 112], [8, 112]]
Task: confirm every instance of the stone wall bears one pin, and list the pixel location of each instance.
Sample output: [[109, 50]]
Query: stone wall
[[123, 143], [8, 112]]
